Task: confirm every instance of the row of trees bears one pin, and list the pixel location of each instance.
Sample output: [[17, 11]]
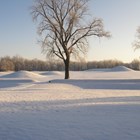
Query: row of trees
[[17, 63]]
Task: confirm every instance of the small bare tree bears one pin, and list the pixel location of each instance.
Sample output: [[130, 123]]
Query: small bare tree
[[64, 28], [136, 43]]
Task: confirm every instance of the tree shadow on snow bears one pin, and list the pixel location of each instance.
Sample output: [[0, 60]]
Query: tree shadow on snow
[[117, 84]]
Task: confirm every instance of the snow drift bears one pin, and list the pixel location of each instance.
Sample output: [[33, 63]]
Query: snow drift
[[121, 68], [51, 73], [23, 75], [19, 79], [114, 69]]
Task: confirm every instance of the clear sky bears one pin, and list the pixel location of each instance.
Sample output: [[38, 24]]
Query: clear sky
[[121, 17]]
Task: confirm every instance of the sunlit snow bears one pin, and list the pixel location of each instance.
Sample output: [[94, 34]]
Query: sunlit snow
[[98, 104]]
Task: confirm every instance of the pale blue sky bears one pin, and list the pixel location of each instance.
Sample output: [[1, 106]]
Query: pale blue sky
[[121, 17]]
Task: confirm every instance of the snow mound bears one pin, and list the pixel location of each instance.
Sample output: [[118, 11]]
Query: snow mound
[[114, 69], [23, 74], [98, 70], [51, 73], [121, 68]]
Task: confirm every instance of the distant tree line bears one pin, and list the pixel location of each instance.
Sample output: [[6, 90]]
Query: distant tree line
[[18, 63]]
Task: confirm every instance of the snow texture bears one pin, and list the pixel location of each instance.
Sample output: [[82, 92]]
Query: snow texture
[[92, 105]]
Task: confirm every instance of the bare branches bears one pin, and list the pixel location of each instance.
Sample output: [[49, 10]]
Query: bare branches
[[61, 20], [63, 27], [136, 43]]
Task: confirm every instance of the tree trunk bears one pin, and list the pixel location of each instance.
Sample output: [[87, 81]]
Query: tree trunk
[[67, 63]]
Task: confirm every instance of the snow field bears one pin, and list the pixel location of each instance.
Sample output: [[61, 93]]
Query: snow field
[[92, 105]]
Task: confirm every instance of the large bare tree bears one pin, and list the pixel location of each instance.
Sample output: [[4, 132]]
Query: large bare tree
[[64, 26], [136, 43]]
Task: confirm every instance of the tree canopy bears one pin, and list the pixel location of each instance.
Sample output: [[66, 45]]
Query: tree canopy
[[65, 26]]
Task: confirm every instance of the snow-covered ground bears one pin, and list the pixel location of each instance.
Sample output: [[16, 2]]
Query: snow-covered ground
[[100, 104]]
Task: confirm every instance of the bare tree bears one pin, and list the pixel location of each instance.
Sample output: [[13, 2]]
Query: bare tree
[[136, 43], [64, 27]]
